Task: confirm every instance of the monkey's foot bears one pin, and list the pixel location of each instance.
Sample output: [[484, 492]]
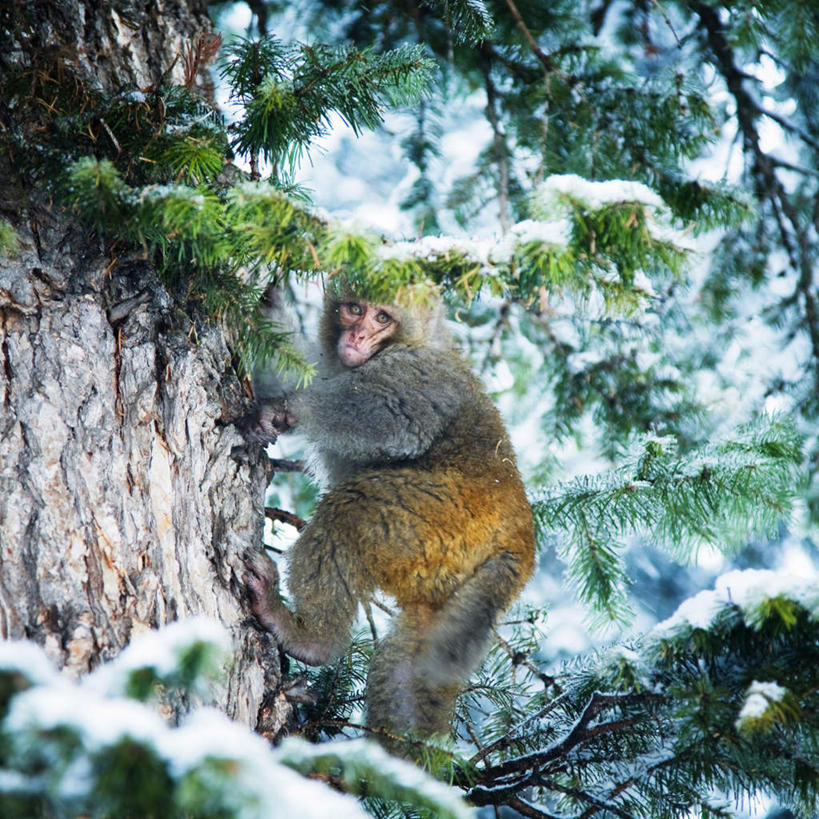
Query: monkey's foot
[[261, 577]]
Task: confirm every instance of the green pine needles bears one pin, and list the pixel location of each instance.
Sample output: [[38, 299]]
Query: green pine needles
[[99, 747], [151, 173], [710, 706], [289, 93], [719, 495]]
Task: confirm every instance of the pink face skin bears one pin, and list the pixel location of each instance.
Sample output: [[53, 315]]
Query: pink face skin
[[364, 330]]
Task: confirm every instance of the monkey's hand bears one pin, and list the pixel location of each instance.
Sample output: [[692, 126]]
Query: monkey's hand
[[270, 420], [261, 577]]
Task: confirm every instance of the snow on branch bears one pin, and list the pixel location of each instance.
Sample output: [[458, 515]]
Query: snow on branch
[[108, 753]]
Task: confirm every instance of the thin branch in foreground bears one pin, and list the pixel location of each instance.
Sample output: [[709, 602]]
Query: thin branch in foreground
[[529, 810], [579, 733], [523, 659]]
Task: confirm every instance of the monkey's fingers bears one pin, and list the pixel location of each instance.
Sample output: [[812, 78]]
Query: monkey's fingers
[[255, 588], [257, 430], [260, 570], [276, 418]]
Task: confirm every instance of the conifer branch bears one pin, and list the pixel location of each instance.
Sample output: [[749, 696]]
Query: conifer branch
[[718, 495]]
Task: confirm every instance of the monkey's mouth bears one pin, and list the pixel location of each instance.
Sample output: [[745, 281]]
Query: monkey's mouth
[[352, 356]]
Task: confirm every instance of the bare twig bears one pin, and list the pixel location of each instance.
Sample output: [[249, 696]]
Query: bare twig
[[499, 149], [282, 465], [368, 611], [198, 54], [272, 513], [768, 186], [788, 126], [544, 58], [668, 22], [380, 605], [579, 733]]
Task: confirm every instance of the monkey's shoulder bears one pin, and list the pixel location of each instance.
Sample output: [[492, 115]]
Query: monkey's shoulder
[[421, 363]]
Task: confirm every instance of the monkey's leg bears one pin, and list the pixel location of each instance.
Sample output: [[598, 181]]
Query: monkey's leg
[[401, 699], [463, 626], [418, 669]]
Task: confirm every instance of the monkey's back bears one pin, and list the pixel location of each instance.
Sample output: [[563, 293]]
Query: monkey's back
[[424, 526]]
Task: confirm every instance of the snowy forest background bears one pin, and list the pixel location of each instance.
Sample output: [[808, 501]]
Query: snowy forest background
[[620, 202]]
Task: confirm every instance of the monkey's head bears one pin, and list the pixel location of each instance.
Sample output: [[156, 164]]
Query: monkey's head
[[363, 329], [355, 329]]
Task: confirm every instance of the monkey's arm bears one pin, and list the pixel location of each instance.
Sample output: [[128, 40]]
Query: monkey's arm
[[273, 386], [391, 408]]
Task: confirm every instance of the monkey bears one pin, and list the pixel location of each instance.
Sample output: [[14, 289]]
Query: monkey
[[421, 498]]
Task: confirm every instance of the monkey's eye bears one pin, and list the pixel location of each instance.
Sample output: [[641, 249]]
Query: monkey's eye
[[355, 309], [383, 318]]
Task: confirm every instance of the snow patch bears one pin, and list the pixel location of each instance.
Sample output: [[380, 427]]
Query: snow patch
[[267, 788], [162, 652], [359, 752], [29, 660], [758, 698], [555, 190], [99, 722], [430, 248], [747, 589]]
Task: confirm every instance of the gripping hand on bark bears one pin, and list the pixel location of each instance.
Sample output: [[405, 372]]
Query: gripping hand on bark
[[267, 422], [261, 577]]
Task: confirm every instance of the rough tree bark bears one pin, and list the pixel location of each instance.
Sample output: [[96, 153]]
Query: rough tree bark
[[126, 494]]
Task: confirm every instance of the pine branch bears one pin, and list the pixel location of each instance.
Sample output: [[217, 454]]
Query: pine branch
[[280, 465], [469, 21], [538, 764], [719, 495], [295, 92], [646, 730]]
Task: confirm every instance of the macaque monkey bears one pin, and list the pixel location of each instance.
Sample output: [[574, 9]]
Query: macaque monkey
[[421, 499]]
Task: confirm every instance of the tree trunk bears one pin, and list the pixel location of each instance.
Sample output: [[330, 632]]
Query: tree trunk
[[126, 494]]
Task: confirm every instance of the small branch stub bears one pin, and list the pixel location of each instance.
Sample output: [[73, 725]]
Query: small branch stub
[[283, 516]]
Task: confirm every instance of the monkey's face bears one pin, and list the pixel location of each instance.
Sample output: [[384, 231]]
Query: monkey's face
[[364, 329]]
